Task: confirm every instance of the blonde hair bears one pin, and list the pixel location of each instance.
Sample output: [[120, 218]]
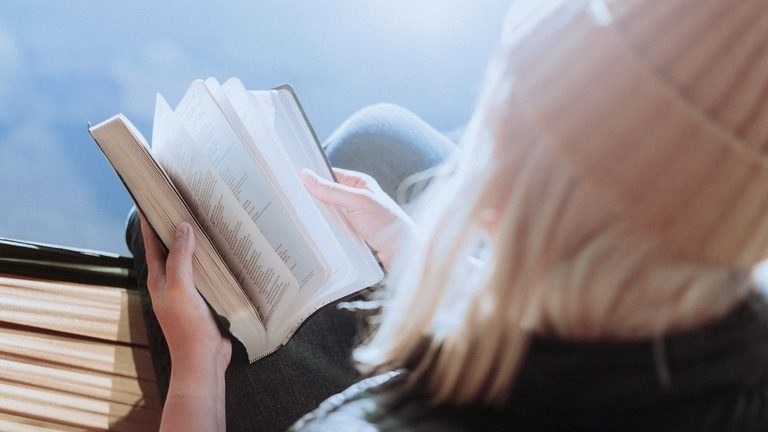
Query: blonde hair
[[557, 260]]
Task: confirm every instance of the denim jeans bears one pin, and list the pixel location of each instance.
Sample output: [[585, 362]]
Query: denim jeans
[[392, 145]]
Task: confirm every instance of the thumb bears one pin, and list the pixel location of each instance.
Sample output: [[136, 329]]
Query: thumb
[[338, 194], [179, 265]]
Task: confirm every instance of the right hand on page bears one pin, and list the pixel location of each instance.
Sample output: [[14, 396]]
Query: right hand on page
[[376, 218]]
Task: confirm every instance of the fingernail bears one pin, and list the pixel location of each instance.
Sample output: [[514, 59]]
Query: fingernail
[[182, 231], [308, 175]]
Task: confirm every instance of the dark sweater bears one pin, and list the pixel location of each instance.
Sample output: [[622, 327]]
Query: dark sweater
[[709, 379]]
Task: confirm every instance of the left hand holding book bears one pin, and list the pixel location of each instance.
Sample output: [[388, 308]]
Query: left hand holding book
[[199, 352], [187, 321]]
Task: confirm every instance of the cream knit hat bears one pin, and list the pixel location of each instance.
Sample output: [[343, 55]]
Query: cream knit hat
[[661, 106]]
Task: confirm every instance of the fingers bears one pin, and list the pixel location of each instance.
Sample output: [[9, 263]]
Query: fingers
[[154, 256], [342, 195], [179, 265], [348, 177], [174, 272], [356, 179]]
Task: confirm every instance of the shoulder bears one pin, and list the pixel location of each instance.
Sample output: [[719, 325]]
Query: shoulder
[[381, 403]]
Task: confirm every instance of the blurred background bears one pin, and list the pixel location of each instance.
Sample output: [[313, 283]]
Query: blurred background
[[63, 64]]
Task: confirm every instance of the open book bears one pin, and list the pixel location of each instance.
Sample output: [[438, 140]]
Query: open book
[[227, 160]]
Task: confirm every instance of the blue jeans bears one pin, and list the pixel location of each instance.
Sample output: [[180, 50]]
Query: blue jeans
[[392, 145]]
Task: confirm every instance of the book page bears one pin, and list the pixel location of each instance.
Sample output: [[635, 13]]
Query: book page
[[246, 179], [293, 129], [264, 142], [276, 174], [260, 271], [354, 266]]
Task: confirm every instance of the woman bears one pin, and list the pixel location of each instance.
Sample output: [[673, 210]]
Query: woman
[[586, 264]]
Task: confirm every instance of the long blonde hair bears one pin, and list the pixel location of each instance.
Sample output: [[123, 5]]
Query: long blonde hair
[[512, 243], [463, 318]]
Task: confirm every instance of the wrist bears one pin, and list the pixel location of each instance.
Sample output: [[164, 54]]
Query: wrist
[[200, 352], [196, 374], [190, 365]]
